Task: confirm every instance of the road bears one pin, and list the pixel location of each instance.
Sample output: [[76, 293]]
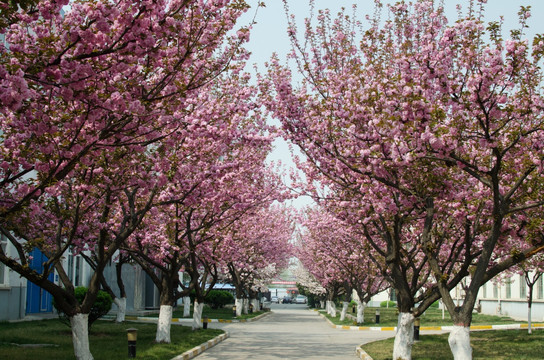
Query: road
[[291, 331]]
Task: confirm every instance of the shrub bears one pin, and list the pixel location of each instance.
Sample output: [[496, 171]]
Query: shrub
[[391, 304], [101, 306], [216, 299]]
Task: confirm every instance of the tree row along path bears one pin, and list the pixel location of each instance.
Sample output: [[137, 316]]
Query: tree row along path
[[289, 332]]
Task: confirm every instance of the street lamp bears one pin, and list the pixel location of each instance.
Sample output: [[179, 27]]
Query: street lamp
[[132, 335]]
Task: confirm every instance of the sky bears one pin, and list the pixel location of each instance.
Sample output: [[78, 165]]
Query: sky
[[269, 34]]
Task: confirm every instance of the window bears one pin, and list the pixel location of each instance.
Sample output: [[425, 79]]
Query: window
[[522, 287], [508, 284], [70, 270], [539, 290], [484, 288], [3, 269], [495, 291]]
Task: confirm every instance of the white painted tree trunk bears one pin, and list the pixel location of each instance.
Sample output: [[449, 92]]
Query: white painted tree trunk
[[404, 338], [246, 306], [329, 307], [529, 312], [360, 312], [80, 336], [345, 305], [186, 306], [255, 303], [239, 303], [322, 303], [121, 309], [197, 315], [333, 309], [164, 324], [459, 341]]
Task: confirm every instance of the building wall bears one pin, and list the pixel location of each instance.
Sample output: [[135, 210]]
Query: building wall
[[12, 290]]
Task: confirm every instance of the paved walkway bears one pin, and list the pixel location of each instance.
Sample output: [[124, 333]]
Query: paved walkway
[[290, 332]]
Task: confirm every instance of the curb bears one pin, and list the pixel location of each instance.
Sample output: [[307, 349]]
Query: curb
[[439, 328], [197, 350], [361, 354]]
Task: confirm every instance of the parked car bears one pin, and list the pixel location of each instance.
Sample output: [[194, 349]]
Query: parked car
[[300, 299], [287, 300], [275, 299]]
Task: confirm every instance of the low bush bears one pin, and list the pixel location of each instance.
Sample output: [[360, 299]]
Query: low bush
[[391, 304], [216, 299]]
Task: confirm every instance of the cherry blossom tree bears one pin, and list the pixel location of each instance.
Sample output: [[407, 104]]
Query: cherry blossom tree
[[432, 133], [256, 250], [84, 96]]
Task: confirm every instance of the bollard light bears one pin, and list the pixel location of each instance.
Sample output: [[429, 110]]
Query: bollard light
[[353, 309], [377, 316], [234, 311], [204, 323], [132, 335], [251, 308], [416, 329]]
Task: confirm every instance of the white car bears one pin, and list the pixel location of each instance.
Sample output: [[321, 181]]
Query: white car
[[275, 299], [300, 299]]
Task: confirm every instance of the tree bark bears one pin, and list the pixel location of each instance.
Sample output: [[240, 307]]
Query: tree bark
[[239, 303], [345, 305], [360, 312], [404, 339], [121, 309], [197, 315], [459, 341], [80, 336], [164, 324]]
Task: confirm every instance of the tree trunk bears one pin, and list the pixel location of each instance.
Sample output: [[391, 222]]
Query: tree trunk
[[333, 308], [459, 341], [164, 324], [322, 303], [121, 309], [255, 303], [197, 315], [529, 307], [345, 305], [404, 339], [80, 336], [186, 306], [360, 312], [239, 303], [246, 305]]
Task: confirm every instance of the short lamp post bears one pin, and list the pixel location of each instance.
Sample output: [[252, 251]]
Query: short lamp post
[[377, 316], [204, 323], [132, 335], [251, 308], [234, 311], [353, 309]]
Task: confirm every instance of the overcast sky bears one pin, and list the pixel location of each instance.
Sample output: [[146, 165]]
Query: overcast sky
[[269, 35]]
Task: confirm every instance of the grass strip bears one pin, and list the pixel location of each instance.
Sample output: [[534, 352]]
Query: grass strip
[[496, 345], [108, 340], [432, 317]]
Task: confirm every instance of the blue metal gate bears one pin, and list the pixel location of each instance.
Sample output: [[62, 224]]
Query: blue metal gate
[[37, 299]]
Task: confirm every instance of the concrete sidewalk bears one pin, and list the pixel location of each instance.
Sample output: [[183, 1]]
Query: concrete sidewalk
[[289, 332]]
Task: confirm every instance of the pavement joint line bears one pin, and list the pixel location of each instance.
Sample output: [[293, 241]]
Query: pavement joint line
[[439, 328], [197, 350]]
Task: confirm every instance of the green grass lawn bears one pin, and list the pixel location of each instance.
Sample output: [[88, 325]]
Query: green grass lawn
[[108, 340], [224, 313], [495, 344], [432, 317]]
